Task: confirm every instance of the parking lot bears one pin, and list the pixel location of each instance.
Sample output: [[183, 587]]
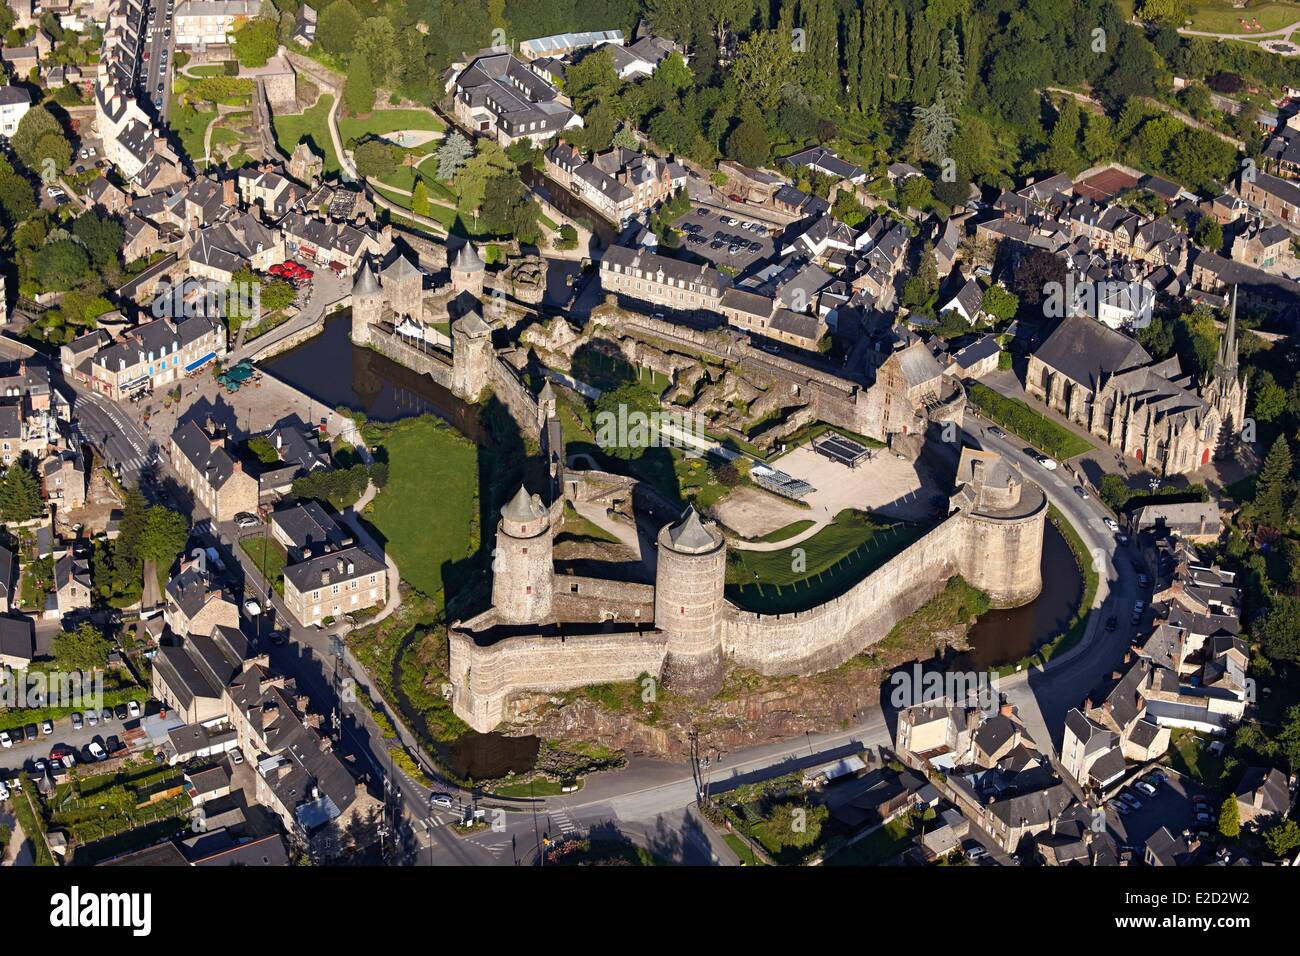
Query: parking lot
[[1171, 807], [724, 239], [22, 756]]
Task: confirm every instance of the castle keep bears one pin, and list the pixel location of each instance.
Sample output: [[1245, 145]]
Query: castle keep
[[546, 633]]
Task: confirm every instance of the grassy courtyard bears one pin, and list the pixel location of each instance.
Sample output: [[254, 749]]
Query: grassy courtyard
[[428, 511], [817, 569], [311, 124], [380, 122], [1220, 16]]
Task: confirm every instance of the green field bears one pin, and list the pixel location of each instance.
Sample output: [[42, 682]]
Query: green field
[[190, 125], [789, 531], [387, 121], [312, 124], [1219, 16], [1028, 423], [428, 511], [833, 560]]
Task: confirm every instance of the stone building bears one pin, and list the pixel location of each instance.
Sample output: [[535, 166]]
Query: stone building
[[334, 583], [1106, 382], [547, 634], [690, 574], [392, 309], [215, 479]]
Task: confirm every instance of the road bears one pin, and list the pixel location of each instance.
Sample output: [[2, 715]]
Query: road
[[126, 448], [151, 70]]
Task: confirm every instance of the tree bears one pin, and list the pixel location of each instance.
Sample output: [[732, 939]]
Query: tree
[[359, 87], [937, 127], [1279, 631], [1230, 818], [508, 208], [452, 154], [338, 27], [256, 41], [1268, 398], [84, 649], [20, 495], [764, 63], [748, 144], [376, 43], [1000, 303], [1282, 838], [625, 138], [163, 536], [1061, 152], [420, 199], [1098, 138], [375, 159], [40, 145], [61, 265], [101, 236], [1273, 491], [17, 198], [1209, 233]]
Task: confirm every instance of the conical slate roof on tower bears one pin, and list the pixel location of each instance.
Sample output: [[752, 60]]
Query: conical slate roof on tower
[[689, 534], [521, 507], [468, 259], [366, 283]]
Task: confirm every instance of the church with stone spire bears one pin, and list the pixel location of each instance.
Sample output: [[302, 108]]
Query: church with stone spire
[[1226, 388]]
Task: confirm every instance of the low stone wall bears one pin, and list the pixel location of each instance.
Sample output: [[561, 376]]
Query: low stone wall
[[515, 396], [484, 678], [391, 347], [829, 634]]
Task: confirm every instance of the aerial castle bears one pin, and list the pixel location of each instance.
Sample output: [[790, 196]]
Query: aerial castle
[[547, 633]]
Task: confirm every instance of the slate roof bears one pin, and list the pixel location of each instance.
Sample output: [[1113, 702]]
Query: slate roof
[[332, 568], [1086, 351], [214, 464]]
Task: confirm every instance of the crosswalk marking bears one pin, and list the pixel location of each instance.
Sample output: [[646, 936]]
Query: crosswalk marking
[[562, 820]]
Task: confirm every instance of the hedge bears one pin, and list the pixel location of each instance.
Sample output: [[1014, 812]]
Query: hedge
[[1014, 415]]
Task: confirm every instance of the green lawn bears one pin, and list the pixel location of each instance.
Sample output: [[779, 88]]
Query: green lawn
[[1188, 754], [207, 69], [825, 565], [312, 125], [789, 531], [387, 121], [879, 847], [1219, 16], [190, 125], [533, 788], [269, 557], [1027, 422], [428, 512]]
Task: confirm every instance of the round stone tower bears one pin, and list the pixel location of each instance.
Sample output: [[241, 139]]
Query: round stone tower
[[1000, 545], [689, 579], [523, 571], [367, 304], [467, 271]]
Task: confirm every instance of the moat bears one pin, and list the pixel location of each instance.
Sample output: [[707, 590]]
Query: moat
[[337, 373], [1006, 635]]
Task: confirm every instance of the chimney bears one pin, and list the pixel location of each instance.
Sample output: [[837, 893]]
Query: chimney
[[228, 192], [324, 575], [338, 565], [1006, 708]]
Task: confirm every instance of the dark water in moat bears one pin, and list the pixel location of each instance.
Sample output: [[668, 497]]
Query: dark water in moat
[[1004, 636], [337, 373]]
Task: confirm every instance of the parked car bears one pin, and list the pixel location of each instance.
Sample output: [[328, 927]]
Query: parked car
[[252, 608], [106, 715], [1128, 797], [92, 718], [32, 732], [1047, 463], [113, 744], [96, 751], [4, 791], [1081, 492], [47, 727], [236, 757], [439, 800], [77, 722], [39, 766], [1110, 523], [4, 739], [246, 520], [120, 712], [133, 708], [1146, 788], [976, 853], [997, 432]]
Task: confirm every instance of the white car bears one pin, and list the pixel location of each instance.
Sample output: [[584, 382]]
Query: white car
[[4, 791], [236, 757], [1047, 463], [133, 708], [1110, 523], [92, 718], [47, 727], [4, 739], [252, 608], [97, 751], [1146, 788]]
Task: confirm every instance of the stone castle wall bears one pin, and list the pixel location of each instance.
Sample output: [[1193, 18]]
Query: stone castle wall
[[997, 555], [829, 634], [484, 678]]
